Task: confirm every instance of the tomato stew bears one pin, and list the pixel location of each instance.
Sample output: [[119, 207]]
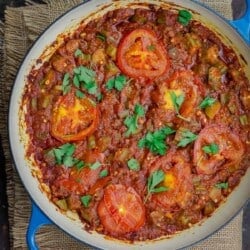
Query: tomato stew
[[139, 122]]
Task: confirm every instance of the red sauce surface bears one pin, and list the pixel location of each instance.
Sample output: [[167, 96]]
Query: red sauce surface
[[139, 155]]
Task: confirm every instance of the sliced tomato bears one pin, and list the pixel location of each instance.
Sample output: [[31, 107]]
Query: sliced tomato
[[73, 119], [121, 209], [141, 54], [178, 180], [230, 150], [182, 83]]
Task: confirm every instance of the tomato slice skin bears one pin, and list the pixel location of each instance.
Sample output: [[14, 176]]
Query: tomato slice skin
[[121, 209], [73, 119], [141, 54], [230, 152]]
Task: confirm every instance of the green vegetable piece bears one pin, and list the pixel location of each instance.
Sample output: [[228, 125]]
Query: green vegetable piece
[[155, 141], [95, 165], [86, 200], [131, 121], [222, 185], [101, 36], [133, 164], [151, 47], [187, 137], [211, 149], [79, 164], [184, 17], [66, 84], [207, 102], [103, 173], [243, 120]]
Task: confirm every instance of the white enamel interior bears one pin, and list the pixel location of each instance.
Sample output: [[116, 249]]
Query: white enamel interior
[[235, 201]]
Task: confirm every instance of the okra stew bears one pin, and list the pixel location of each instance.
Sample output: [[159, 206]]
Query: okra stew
[[139, 122]]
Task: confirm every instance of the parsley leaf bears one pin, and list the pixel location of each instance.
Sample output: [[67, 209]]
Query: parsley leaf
[[66, 84], [151, 47], [85, 77], [95, 165], [117, 82], [184, 16], [177, 102], [131, 121], [133, 164], [211, 149], [155, 141], [187, 137], [79, 94], [78, 52], [222, 185], [86, 200], [64, 156], [207, 102], [103, 173], [154, 179]]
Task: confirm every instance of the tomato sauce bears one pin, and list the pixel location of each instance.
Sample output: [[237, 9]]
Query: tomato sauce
[[139, 123]]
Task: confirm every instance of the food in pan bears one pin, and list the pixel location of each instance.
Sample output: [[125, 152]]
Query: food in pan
[[139, 122]]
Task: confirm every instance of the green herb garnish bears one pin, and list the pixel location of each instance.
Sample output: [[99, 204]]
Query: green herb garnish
[[132, 121], [64, 155], [222, 185], [207, 102], [66, 84], [133, 164], [177, 102], [86, 200], [155, 141], [79, 94], [211, 149], [153, 181], [187, 137], [117, 82], [103, 173], [85, 77], [78, 52], [95, 165], [184, 16]]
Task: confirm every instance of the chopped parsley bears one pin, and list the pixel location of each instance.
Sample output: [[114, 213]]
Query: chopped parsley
[[64, 156], [207, 102], [131, 121], [222, 185], [151, 47], [211, 149], [79, 94], [153, 181], [187, 137], [177, 102], [117, 82], [103, 173], [184, 17], [78, 52], [86, 200], [155, 141], [66, 84], [133, 164], [95, 165], [85, 78]]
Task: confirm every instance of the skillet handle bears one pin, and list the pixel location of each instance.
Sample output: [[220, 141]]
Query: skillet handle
[[37, 219], [242, 25]]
